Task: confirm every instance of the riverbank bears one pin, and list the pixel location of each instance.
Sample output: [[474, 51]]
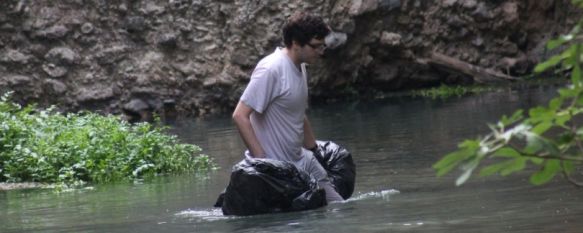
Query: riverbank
[[194, 58], [448, 91]]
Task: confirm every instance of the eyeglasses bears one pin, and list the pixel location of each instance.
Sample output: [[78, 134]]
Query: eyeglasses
[[318, 46]]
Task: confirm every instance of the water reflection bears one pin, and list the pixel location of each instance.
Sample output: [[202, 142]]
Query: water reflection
[[394, 143]]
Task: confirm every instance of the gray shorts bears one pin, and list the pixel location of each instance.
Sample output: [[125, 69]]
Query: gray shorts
[[310, 164]]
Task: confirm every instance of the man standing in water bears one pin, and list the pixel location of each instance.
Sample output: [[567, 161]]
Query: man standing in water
[[271, 115]]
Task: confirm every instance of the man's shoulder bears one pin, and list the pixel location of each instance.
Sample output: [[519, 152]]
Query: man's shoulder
[[272, 61]]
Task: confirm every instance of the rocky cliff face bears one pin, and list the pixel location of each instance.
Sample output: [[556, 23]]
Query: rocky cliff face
[[194, 57]]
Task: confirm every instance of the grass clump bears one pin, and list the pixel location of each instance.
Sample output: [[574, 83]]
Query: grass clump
[[76, 148], [444, 92]]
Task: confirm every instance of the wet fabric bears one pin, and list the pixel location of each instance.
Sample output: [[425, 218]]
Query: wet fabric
[[260, 186]]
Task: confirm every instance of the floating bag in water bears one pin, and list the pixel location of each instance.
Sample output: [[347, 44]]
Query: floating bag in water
[[260, 186], [339, 164]]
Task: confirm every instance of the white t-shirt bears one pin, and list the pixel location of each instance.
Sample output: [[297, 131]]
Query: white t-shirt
[[278, 92]]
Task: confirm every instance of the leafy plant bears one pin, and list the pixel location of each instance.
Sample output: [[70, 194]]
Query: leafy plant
[[548, 137], [50, 147]]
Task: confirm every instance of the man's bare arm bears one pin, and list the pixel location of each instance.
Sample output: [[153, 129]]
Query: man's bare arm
[[309, 138], [242, 119]]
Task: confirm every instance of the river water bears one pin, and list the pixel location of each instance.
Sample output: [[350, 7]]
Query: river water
[[394, 142]]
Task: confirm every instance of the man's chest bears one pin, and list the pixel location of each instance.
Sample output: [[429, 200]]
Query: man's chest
[[294, 95]]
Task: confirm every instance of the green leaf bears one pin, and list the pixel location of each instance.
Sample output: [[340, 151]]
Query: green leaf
[[540, 113], [552, 62], [550, 169], [556, 43], [555, 103], [470, 144], [505, 168], [516, 116], [561, 119], [542, 127], [492, 169], [507, 152], [568, 56], [568, 92], [447, 163], [515, 165]]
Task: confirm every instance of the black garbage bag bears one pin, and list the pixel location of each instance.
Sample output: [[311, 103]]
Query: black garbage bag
[[340, 167], [260, 186]]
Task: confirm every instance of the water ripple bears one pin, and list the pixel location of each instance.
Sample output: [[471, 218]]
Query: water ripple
[[384, 194], [208, 215]]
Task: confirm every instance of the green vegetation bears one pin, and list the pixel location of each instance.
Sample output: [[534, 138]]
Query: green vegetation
[[444, 91], [548, 137], [72, 149]]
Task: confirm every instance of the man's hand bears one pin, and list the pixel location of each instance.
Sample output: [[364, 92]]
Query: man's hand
[[318, 153]]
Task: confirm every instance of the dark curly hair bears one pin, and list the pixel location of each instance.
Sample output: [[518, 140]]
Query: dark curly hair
[[303, 27]]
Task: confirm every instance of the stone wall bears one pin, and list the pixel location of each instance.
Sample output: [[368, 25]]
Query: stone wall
[[194, 57]]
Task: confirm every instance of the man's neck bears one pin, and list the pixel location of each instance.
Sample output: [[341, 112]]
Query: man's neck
[[293, 56]]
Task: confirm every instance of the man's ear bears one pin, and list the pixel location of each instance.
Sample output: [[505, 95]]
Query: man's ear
[[295, 43]]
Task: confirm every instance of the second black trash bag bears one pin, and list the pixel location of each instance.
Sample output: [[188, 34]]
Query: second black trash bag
[[338, 162], [260, 186]]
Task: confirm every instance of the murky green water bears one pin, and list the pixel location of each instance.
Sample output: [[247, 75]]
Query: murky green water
[[394, 142]]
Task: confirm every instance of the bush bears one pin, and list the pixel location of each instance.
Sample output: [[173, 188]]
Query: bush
[[50, 147]]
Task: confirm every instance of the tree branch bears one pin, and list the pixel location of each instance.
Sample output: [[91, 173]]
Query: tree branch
[[479, 74]]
